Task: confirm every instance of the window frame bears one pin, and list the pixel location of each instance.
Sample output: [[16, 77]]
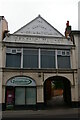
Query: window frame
[[64, 55], [52, 50], [35, 49], [10, 51], [56, 53]]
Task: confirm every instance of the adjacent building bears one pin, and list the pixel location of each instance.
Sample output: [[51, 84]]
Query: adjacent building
[[33, 60], [3, 29], [75, 35]]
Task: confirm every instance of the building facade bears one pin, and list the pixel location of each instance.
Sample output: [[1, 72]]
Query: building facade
[[75, 35], [34, 58], [3, 29]]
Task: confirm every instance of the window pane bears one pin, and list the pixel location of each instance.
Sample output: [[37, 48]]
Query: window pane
[[63, 61], [19, 96], [30, 96], [47, 59], [30, 58], [13, 60]]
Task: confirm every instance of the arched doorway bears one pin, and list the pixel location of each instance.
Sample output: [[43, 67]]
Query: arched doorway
[[20, 92], [57, 89]]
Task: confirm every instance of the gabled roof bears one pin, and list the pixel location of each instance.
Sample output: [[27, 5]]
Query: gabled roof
[[40, 27]]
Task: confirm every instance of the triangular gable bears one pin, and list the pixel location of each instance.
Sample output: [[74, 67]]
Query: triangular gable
[[39, 26]]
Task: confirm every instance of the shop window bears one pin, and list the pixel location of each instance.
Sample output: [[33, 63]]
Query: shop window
[[31, 96], [47, 59], [19, 96], [23, 91], [30, 58]]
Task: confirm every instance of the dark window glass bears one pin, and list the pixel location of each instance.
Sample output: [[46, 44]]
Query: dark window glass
[[30, 58], [47, 59], [63, 61], [13, 60]]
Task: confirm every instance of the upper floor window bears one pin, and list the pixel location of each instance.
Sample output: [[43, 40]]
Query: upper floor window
[[63, 58], [37, 58], [13, 58], [30, 58], [47, 58]]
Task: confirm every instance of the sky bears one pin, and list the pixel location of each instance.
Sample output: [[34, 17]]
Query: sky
[[56, 12]]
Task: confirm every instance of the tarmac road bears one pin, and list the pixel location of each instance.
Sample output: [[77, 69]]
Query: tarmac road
[[26, 114], [58, 110]]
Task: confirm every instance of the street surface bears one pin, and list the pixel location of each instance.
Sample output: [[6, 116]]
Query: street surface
[[0, 115], [68, 113], [56, 109]]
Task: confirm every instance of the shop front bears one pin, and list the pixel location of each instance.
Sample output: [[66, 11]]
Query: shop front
[[20, 92]]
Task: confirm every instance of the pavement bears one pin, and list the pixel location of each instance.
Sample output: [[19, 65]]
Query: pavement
[[56, 110]]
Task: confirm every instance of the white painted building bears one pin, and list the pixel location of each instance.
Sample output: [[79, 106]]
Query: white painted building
[[33, 58]]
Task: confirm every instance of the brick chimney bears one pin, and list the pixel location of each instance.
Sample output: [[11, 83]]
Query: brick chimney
[[67, 30], [3, 27]]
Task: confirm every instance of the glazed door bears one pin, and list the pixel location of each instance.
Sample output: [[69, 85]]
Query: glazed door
[[9, 97]]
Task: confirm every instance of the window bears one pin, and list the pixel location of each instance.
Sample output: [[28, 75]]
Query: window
[[37, 58], [30, 96], [25, 95], [30, 58], [19, 96], [13, 58], [47, 59], [22, 89], [63, 58]]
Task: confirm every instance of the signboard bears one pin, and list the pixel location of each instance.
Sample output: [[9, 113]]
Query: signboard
[[39, 40], [21, 81]]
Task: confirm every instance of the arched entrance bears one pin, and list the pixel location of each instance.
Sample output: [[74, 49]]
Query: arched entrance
[[57, 88], [20, 92]]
